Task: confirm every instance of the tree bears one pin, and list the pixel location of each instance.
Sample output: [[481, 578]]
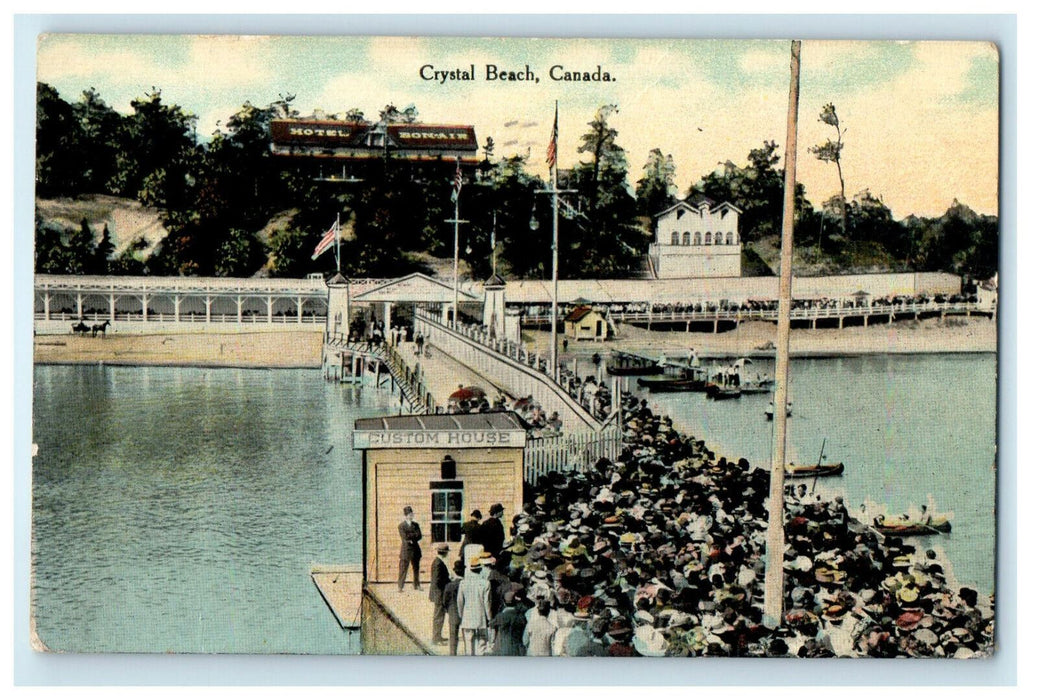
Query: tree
[[290, 251], [102, 253], [240, 254], [101, 128], [830, 152], [59, 138], [601, 235], [756, 189], [391, 115], [655, 190]]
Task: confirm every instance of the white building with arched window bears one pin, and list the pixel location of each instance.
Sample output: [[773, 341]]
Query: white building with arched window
[[697, 238]]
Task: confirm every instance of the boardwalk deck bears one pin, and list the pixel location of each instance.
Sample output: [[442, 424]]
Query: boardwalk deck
[[342, 590], [410, 610]]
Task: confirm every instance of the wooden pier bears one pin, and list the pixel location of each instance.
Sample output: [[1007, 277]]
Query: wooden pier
[[341, 587]]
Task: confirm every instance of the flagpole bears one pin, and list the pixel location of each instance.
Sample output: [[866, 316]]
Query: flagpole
[[553, 164], [456, 196], [457, 199], [555, 262], [493, 247], [776, 536]]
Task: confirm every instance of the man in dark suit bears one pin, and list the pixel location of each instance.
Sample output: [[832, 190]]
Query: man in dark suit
[[470, 532], [450, 604], [492, 532], [410, 548], [437, 584]]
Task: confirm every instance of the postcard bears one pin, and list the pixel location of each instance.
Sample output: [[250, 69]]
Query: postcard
[[515, 347]]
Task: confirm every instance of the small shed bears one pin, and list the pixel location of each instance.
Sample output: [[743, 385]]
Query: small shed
[[444, 467], [585, 323], [861, 298]]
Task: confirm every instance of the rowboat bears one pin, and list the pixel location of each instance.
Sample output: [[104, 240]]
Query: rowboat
[[720, 392], [763, 386], [807, 471], [904, 527]]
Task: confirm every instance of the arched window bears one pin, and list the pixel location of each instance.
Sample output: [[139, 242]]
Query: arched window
[[708, 240], [699, 238], [717, 238], [674, 238], [728, 238], [686, 238]]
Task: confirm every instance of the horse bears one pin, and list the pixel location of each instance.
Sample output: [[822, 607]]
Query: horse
[[81, 328], [100, 328]]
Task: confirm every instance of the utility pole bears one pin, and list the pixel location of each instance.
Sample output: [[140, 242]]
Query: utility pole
[[776, 536]]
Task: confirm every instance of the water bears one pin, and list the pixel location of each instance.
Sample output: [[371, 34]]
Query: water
[[179, 509], [910, 430]]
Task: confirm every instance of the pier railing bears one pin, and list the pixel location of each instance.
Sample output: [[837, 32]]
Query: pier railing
[[569, 452], [410, 381], [646, 313], [526, 374]]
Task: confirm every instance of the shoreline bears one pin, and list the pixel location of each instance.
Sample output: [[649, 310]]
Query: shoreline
[[288, 350], [302, 349]]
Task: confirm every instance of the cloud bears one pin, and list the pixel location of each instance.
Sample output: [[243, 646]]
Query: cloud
[[922, 117], [215, 62]]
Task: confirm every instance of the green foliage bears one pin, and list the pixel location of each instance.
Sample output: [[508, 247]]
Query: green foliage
[[214, 198], [102, 253], [240, 254], [290, 251], [829, 152], [59, 163], [655, 190], [602, 237], [64, 251]]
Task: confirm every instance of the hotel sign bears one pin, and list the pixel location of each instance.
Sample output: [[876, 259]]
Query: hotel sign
[[423, 439], [433, 136], [300, 132]]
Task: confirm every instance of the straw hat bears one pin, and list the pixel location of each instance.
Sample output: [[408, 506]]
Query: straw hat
[[649, 642]]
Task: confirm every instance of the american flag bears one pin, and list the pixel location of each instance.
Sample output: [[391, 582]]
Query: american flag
[[553, 145], [326, 242], [457, 183]]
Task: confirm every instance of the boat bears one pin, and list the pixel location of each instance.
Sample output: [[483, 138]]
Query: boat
[[625, 364], [676, 378], [764, 385], [719, 392], [770, 410], [807, 471], [908, 527]]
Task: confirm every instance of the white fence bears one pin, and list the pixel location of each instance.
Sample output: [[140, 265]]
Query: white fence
[[569, 452]]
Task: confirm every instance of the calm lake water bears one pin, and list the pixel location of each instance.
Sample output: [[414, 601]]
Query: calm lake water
[[911, 430], [180, 509]]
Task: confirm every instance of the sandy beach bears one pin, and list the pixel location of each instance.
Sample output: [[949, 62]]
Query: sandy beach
[[752, 339], [288, 349], [303, 348]]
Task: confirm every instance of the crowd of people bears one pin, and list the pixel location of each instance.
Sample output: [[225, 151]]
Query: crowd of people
[[660, 553]]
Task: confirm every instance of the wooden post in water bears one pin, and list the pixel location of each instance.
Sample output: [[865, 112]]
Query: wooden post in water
[[776, 536]]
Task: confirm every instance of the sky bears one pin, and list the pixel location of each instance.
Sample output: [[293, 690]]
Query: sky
[[920, 118]]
